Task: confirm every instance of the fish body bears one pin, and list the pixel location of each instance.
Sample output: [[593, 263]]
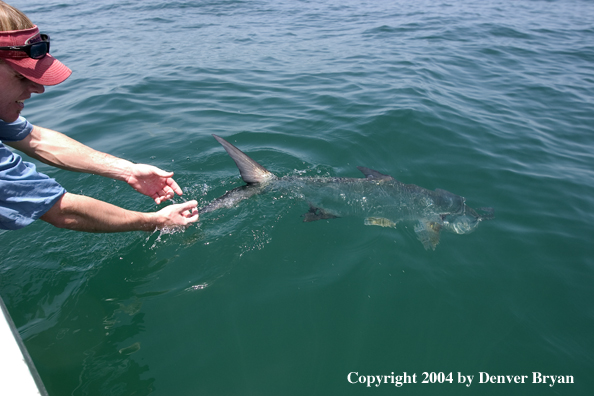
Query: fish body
[[379, 199]]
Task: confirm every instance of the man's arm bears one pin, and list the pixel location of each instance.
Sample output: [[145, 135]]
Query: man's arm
[[57, 149], [81, 213]]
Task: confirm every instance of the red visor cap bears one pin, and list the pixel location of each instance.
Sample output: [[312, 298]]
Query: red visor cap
[[45, 71]]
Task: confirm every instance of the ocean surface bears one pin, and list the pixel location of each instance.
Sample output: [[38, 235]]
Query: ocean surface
[[491, 100]]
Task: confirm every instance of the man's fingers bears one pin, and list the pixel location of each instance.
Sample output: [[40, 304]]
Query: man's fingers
[[173, 186], [190, 210], [164, 195], [190, 205]]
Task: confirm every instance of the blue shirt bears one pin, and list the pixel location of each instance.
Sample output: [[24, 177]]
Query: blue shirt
[[25, 194]]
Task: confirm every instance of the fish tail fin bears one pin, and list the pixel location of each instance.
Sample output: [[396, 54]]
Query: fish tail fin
[[250, 170]]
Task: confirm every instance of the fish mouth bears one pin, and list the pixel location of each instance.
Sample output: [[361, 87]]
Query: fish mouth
[[486, 213]]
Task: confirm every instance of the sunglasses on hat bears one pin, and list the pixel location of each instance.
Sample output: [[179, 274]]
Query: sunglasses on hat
[[35, 50]]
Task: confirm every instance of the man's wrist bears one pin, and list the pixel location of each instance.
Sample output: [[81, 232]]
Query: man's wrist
[[112, 167]]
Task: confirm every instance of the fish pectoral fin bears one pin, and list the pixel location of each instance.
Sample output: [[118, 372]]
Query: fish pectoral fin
[[315, 213], [380, 221], [428, 233]]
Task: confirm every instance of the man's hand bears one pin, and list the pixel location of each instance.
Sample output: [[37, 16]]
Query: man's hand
[[178, 215], [153, 182]]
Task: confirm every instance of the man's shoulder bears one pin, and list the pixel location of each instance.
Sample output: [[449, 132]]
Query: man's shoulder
[[15, 131]]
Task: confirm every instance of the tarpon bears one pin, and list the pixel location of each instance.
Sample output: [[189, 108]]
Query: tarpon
[[379, 199]]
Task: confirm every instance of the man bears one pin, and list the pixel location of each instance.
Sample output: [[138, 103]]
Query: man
[[26, 195]]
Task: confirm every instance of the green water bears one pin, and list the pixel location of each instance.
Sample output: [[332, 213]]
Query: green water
[[489, 100]]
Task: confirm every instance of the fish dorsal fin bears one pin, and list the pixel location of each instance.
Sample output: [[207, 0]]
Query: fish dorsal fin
[[250, 170], [373, 174]]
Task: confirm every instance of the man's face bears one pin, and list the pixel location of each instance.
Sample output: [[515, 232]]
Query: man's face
[[15, 89]]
